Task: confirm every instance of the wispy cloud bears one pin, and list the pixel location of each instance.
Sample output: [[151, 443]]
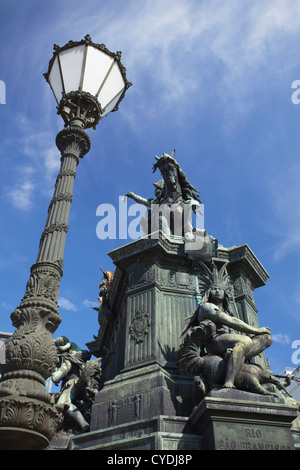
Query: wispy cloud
[[186, 54], [6, 306], [51, 162], [21, 196], [89, 303], [281, 338], [289, 242], [66, 304], [35, 171], [177, 47], [180, 46]]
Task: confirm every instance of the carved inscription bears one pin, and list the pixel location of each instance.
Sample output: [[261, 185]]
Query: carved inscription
[[125, 410], [251, 439]]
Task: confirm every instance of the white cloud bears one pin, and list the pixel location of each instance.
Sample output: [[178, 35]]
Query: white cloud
[[281, 339], [66, 304], [191, 54], [289, 242], [40, 163], [89, 303], [22, 195], [51, 161], [176, 42], [185, 53], [6, 306], [179, 46]]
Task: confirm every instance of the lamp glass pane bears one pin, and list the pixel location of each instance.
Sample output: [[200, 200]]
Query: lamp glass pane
[[96, 67], [55, 80], [112, 104], [71, 61], [113, 85]]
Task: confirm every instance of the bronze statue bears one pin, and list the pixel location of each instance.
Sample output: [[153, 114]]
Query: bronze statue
[[177, 188], [212, 322], [104, 288], [80, 379], [211, 370], [173, 191]]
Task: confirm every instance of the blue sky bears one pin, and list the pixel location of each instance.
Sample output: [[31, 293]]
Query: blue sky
[[210, 78]]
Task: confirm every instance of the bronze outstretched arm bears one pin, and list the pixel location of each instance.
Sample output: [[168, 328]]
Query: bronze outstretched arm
[[218, 316], [139, 199]]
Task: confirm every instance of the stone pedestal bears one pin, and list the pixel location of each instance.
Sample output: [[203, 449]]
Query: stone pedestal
[[236, 420], [146, 401], [158, 433], [141, 394]]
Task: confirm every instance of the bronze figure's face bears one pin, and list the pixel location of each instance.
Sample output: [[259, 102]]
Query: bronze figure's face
[[217, 294], [169, 173]]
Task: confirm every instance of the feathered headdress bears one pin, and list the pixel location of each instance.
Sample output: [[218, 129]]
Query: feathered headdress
[[209, 280], [213, 278]]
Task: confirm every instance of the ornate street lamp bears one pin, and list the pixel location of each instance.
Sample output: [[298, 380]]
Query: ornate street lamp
[[88, 82]]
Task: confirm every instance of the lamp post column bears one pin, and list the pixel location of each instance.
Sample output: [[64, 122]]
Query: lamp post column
[[73, 144], [28, 416]]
